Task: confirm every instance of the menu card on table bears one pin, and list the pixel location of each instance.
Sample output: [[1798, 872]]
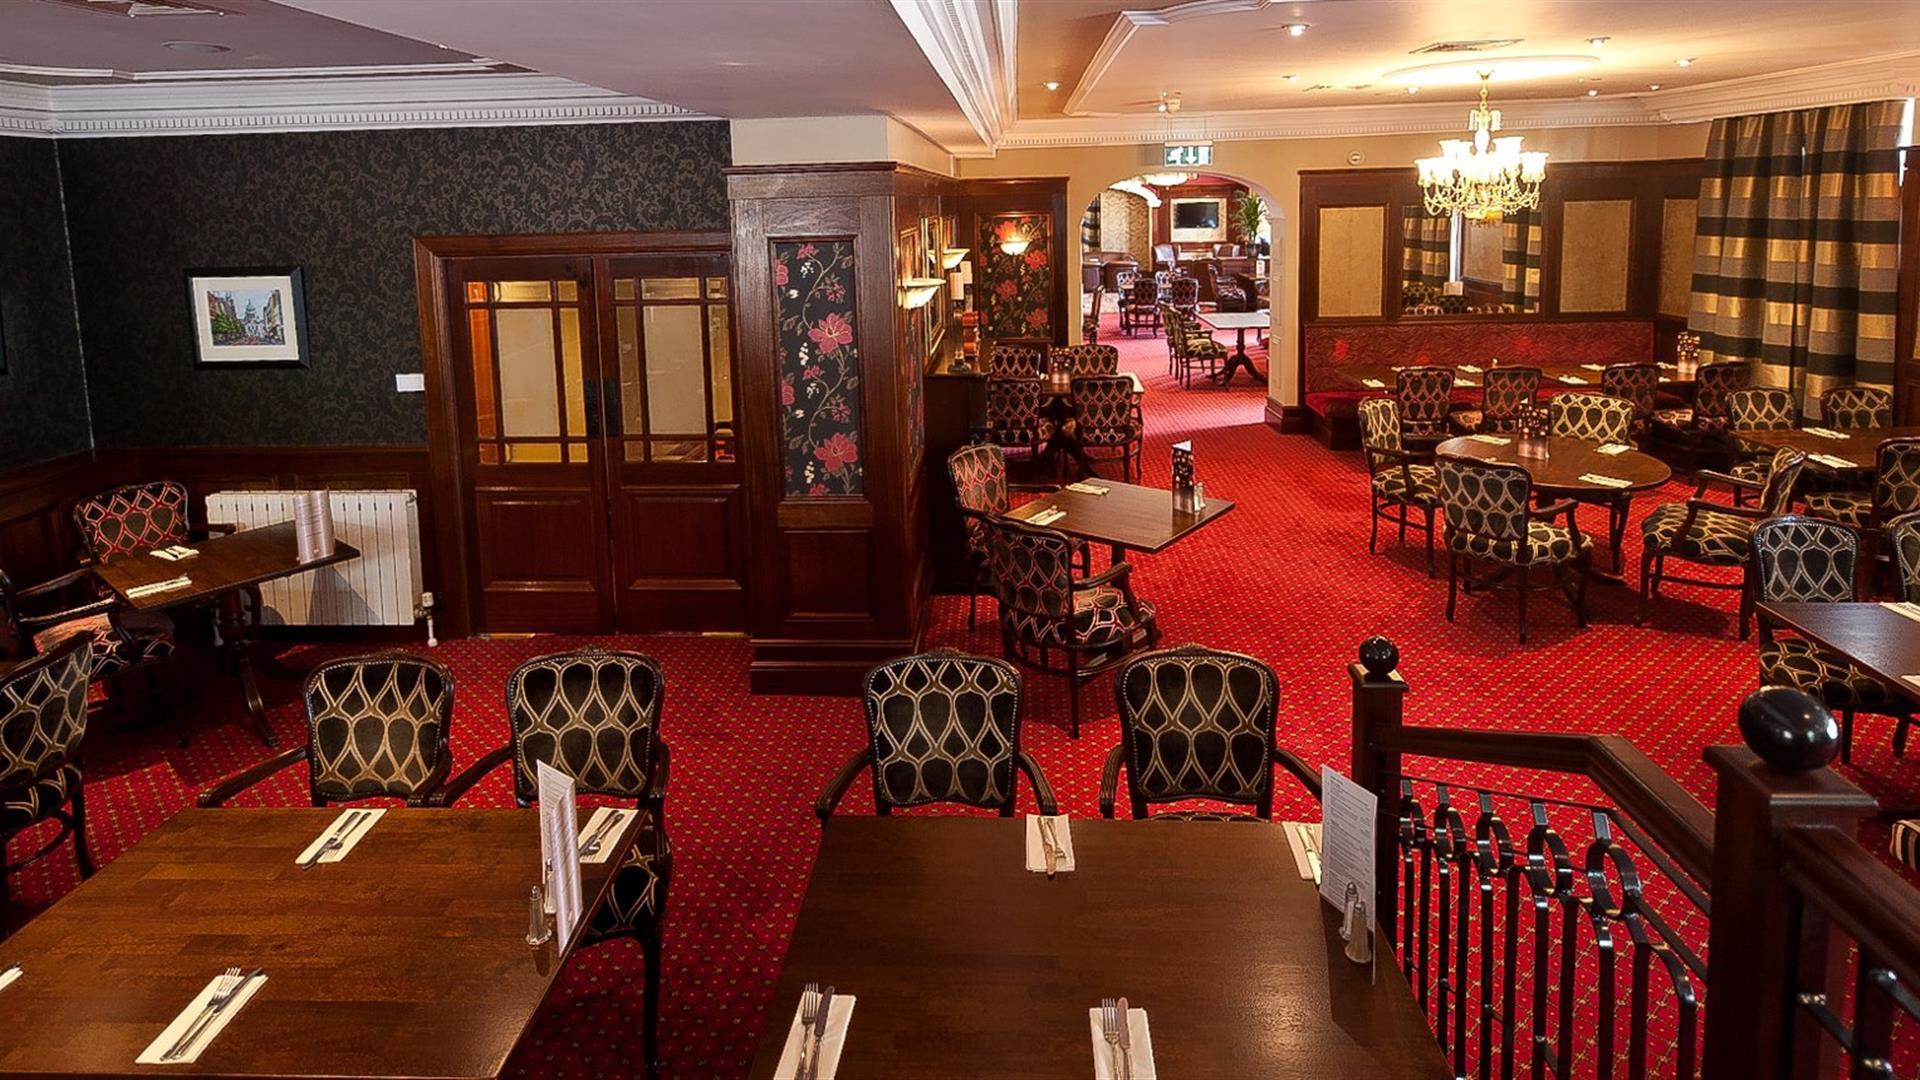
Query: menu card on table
[[313, 525], [559, 850], [1348, 814]]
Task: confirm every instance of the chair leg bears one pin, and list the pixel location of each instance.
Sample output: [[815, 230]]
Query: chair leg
[[1401, 509], [82, 853], [1583, 570], [650, 1002], [1525, 588], [1647, 578], [1429, 542], [973, 599], [1846, 736], [1073, 694], [1900, 735], [1453, 581], [1746, 608], [1373, 535]]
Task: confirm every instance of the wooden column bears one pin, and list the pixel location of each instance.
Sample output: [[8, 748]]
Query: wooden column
[[1379, 705]]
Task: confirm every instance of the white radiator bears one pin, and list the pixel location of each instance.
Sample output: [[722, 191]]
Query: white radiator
[[380, 588]]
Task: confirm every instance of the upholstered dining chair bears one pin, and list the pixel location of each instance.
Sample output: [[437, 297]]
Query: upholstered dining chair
[[1106, 418], [942, 727], [982, 492], [1140, 305], [1594, 418], [1638, 383], [1228, 294], [377, 727], [1191, 345], [1708, 414], [1008, 361], [1015, 421], [1397, 483], [1183, 294], [1090, 322], [43, 717], [594, 714], [136, 517], [1087, 359], [1491, 519], [1895, 491], [1509, 399], [123, 640], [1903, 536], [1198, 723], [1709, 534], [1090, 625], [1808, 560], [1425, 395], [1851, 408], [1756, 408]]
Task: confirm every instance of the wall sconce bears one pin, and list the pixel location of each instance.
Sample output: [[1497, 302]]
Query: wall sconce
[[916, 291], [952, 257], [1013, 240]]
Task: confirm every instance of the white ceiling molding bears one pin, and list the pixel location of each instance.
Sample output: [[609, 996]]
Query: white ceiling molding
[[1127, 23], [241, 74], [971, 45], [222, 107], [1877, 78]]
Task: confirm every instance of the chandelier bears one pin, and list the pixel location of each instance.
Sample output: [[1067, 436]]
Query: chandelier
[[1484, 180]]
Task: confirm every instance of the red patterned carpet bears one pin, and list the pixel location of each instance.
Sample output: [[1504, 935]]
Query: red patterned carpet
[[1286, 576]]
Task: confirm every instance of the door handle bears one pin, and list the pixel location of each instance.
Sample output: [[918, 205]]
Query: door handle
[[590, 389], [610, 398]]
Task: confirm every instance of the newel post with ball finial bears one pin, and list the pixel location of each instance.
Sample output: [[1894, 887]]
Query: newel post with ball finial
[[1764, 948], [1379, 706]]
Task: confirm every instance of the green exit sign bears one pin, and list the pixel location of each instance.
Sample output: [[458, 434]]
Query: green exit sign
[[1189, 154]]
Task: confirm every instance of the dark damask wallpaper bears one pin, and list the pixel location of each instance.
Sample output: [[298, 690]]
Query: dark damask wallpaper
[[43, 395], [1018, 289], [819, 366], [345, 206]]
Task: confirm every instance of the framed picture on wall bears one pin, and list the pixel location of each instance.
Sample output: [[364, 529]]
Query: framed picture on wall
[[250, 317]]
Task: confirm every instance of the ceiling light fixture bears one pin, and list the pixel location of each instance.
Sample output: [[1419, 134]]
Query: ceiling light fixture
[[1413, 89], [1653, 86], [1593, 93], [1051, 85], [1291, 78], [1295, 29], [195, 47], [1596, 42], [1685, 61], [1486, 179]]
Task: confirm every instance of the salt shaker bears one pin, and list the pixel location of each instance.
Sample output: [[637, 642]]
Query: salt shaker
[[539, 932]]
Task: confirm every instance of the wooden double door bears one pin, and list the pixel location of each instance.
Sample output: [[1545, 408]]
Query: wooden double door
[[597, 440]]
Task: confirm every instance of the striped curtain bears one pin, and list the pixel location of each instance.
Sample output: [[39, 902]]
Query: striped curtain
[[1090, 226], [1520, 260], [1424, 254], [1796, 248]]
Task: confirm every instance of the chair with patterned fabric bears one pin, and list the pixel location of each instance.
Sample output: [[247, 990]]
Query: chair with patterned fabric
[[1015, 422], [1077, 360], [1807, 560], [1016, 361], [1425, 395], [377, 728], [1183, 293], [1708, 534], [1638, 383], [594, 714], [981, 490], [1903, 536], [1853, 408], [1140, 306], [1594, 418], [1094, 623], [1090, 322], [942, 727], [1191, 345], [1509, 400], [1106, 418], [1708, 414], [1228, 294], [1756, 408], [1396, 483], [43, 717], [1896, 489], [1198, 723], [1491, 519], [137, 517], [124, 640]]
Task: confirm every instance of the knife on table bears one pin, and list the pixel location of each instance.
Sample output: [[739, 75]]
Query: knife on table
[[820, 1033], [1048, 845], [1126, 1041]]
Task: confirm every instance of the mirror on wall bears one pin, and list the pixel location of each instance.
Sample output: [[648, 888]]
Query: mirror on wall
[[1452, 266]]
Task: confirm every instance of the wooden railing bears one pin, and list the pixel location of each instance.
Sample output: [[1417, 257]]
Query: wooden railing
[[1758, 940]]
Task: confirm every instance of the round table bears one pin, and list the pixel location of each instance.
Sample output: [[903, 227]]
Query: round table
[[1559, 472]]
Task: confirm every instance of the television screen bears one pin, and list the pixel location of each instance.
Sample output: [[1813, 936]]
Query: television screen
[[1196, 215]]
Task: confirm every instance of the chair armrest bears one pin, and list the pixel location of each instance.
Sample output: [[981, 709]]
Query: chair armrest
[[1117, 572], [461, 784], [1042, 791], [1309, 778], [209, 529], [1033, 489], [1110, 780], [1553, 510], [1696, 504], [55, 585], [233, 785], [429, 787], [824, 806], [1704, 477], [656, 795], [55, 618]]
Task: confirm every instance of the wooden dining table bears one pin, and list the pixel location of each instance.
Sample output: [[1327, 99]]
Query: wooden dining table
[[1560, 472], [1129, 517], [227, 568], [1553, 376], [1239, 322], [962, 963], [1876, 638], [1858, 447], [407, 958]]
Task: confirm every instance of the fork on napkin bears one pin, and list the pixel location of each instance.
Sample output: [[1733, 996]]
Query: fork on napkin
[[1373, 384], [168, 585], [339, 837], [9, 976], [1122, 1048], [1901, 607], [604, 825], [814, 1041], [1573, 380], [1047, 517], [1832, 461], [1825, 433], [1491, 440], [1049, 844], [1086, 488], [1612, 448], [1605, 481], [204, 1018]]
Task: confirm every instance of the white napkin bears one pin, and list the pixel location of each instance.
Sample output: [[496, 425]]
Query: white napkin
[[1668, 367], [9, 977], [1594, 367], [1911, 611], [1604, 480], [1047, 517], [1465, 382], [1825, 433], [1912, 680], [1036, 852], [1086, 488], [839, 1016], [607, 845], [1613, 448], [1141, 1055], [1574, 380], [174, 553], [361, 826], [1492, 440], [168, 585], [152, 1054], [1831, 461], [1373, 384], [1475, 368], [1304, 838]]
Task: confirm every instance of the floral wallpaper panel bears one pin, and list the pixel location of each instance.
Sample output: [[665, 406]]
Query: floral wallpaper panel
[[1018, 289], [818, 363]]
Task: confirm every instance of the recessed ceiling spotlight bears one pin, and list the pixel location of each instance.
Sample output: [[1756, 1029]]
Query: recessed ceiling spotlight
[[1685, 61], [1413, 89], [1051, 85], [1581, 79], [1291, 78], [1295, 29], [1593, 93], [1596, 42], [195, 47], [1653, 86]]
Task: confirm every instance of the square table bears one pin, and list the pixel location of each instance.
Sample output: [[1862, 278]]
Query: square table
[[1128, 516], [408, 958], [1879, 641], [226, 566], [1860, 447], [1239, 322], [965, 964]]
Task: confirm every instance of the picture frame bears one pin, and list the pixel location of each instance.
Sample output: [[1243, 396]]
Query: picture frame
[[248, 317]]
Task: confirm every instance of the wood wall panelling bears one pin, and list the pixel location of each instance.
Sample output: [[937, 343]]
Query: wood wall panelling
[[1595, 255], [1350, 257], [1677, 222]]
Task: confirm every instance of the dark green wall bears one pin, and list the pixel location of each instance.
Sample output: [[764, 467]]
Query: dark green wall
[[43, 394]]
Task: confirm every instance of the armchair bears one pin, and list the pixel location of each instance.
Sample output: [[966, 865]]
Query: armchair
[[1709, 534], [136, 517], [43, 717], [1491, 518], [1397, 484]]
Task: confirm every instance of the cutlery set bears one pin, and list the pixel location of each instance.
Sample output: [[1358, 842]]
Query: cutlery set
[[1049, 846], [346, 828], [599, 835], [815, 1007], [236, 981], [1116, 1028]]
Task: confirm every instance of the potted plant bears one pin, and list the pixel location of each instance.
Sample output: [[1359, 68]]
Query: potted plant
[[1249, 210]]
